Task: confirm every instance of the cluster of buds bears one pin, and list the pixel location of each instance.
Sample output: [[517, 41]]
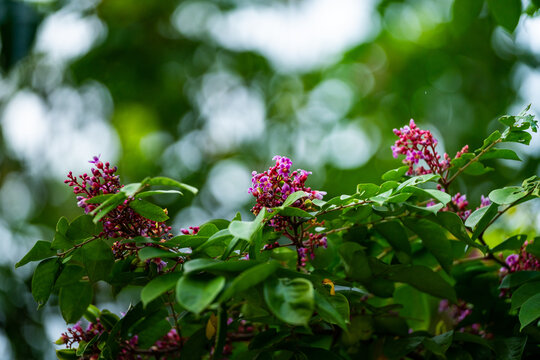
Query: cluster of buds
[[121, 222], [417, 144], [271, 188], [192, 230], [163, 348]]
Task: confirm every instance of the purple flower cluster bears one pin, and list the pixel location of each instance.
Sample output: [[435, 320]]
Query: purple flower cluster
[[192, 230], [121, 222], [454, 314], [523, 261], [165, 347], [417, 144], [271, 188]]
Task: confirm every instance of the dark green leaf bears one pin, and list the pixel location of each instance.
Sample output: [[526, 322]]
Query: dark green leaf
[[290, 300], [150, 252], [248, 279], [512, 243], [43, 280], [98, 259], [517, 278], [148, 210], [395, 234], [165, 181], [524, 292], [434, 239], [355, 261], [70, 274], [82, 228], [510, 348], [107, 206], [62, 225], [40, 250], [519, 136], [530, 310], [425, 280], [365, 191], [218, 266], [74, 299], [453, 223], [506, 12], [494, 136], [196, 292], [333, 309], [61, 242]]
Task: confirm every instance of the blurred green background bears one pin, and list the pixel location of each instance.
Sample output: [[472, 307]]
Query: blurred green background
[[207, 91]]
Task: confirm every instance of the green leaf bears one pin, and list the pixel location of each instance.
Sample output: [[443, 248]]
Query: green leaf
[[98, 199], [158, 192], [291, 199], [494, 136], [43, 280], [434, 239], [246, 230], [81, 229], [67, 354], [517, 278], [442, 197], [196, 292], [530, 311], [524, 292], [415, 180], [506, 12], [355, 261], [248, 279], [74, 299], [464, 12], [500, 154], [395, 174], [41, 250], [158, 286], [512, 243], [333, 308], [290, 300], [424, 279], [98, 259], [510, 348], [507, 195], [218, 266], [70, 274], [148, 210], [518, 136], [453, 223], [62, 225], [365, 191], [293, 211], [480, 219], [107, 206], [60, 242], [165, 181], [151, 252], [477, 168], [396, 235]]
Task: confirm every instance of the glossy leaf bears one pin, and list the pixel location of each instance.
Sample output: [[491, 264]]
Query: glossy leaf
[[196, 292], [43, 280], [74, 299], [290, 300], [158, 286], [41, 250], [148, 210], [248, 279], [165, 181]]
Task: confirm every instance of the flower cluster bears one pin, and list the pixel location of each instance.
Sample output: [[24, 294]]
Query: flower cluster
[[271, 188], [417, 144], [456, 313], [523, 261], [169, 344], [192, 230], [121, 222]]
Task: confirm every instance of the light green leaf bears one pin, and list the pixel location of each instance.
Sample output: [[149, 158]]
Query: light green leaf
[[246, 230], [507, 195], [165, 181], [291, 199]]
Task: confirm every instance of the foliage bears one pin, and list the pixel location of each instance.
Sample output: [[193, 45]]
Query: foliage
[[360, 273]]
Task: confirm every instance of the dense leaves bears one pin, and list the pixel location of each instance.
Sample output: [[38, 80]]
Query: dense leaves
[[392, 268]]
